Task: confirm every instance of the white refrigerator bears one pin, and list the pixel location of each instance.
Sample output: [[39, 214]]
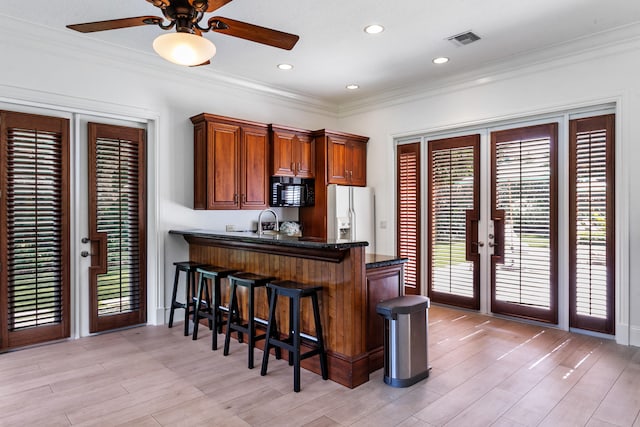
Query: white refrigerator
[[351, 214]]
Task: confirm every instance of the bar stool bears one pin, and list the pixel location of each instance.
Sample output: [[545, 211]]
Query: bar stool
[[209, 308], [190, 268], [295, 292], [234, 322]]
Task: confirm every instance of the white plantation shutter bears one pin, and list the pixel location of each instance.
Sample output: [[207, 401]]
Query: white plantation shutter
[[408, 170], [591, 223], [524, 214], [453, 188]]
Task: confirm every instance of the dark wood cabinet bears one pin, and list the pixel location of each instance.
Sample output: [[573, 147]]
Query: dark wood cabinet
[[346, 159], [383, 283], [341, 158], [230, 163], [292, 152]]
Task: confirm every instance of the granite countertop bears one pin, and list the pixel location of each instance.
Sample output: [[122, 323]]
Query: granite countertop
[[272, 239], [377, 260]]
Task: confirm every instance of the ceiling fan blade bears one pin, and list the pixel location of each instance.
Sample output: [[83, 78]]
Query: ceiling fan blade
[[254, 33], [217, 4], [114, 24]]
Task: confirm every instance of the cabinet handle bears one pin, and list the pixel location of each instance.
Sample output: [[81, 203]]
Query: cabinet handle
[[293, 167], [244, 198], [235, 198]]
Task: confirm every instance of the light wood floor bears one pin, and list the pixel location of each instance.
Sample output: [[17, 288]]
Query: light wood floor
[[486, 371]]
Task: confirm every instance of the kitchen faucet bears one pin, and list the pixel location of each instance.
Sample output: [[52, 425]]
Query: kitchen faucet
[[275, 215]]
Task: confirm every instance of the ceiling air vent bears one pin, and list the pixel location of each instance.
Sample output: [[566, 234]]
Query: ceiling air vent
[[464, 38]]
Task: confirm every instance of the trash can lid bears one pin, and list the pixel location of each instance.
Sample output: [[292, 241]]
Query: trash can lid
[[402, 305]]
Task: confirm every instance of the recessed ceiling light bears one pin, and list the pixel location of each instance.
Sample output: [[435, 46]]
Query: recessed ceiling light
[[440, 60], [352, 86], [285, 66], [373, 29]]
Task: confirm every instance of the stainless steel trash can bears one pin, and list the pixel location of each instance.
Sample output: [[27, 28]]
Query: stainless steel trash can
[[405, 339]]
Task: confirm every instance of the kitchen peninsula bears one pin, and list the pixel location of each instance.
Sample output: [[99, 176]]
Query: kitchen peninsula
[[352, 285]]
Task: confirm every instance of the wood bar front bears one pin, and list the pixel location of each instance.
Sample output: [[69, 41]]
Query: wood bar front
[[343, 301]]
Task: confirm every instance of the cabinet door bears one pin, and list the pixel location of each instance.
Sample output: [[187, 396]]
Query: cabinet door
[[255, 168], [357, 159], [337, 169], [283, 159], [305, 153], [383, 283], [223, 161]]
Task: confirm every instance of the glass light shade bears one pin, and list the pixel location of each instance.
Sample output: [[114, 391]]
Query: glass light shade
[[184, 48]]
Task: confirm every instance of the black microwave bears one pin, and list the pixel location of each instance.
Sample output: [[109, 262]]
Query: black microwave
[[292, 192]]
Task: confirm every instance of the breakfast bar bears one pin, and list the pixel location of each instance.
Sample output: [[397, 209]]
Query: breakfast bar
[[352, 283]]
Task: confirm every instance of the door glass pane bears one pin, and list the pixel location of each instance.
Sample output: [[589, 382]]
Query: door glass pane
[[452, 196], [34, 203], [117, 215]]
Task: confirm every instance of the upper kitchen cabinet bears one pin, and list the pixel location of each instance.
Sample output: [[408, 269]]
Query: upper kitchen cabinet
[[231, 161], [292, 152], [346, 157]]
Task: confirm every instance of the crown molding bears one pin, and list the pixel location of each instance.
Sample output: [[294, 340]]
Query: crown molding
[[596, 46], [86, 49]]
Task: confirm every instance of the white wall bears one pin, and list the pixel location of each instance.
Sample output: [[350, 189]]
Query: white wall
[[587, 79]]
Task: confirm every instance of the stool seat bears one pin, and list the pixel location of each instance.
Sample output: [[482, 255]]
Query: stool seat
[[210, 308], [189, 267], [295, 292], [251, 281]]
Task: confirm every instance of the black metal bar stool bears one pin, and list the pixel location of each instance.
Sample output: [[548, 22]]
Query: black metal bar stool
[[209, 308], [295, 292], [190, 268], [234, 321]]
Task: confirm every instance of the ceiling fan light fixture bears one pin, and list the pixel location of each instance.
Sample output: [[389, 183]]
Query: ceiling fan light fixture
[[184, 48]]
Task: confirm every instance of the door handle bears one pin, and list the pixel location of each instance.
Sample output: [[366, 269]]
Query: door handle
[[98, 252], [492, 245], [479, 244]]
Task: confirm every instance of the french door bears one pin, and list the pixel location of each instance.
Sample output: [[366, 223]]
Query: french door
[[524, 215], [453, 214], [34, 229], [520, 221], [117, 231]]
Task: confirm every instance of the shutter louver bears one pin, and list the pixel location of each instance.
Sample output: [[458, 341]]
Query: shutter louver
[[117, 182], [524, 189], [409, 214], [591, 222], [34, 228]]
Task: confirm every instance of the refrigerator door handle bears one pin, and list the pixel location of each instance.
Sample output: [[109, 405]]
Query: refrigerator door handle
[[352, 214]]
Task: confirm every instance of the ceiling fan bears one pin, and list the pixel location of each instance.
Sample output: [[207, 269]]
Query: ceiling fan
[[186, 17]]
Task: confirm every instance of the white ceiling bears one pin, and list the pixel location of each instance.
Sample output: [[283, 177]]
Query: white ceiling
[[334, 51]]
